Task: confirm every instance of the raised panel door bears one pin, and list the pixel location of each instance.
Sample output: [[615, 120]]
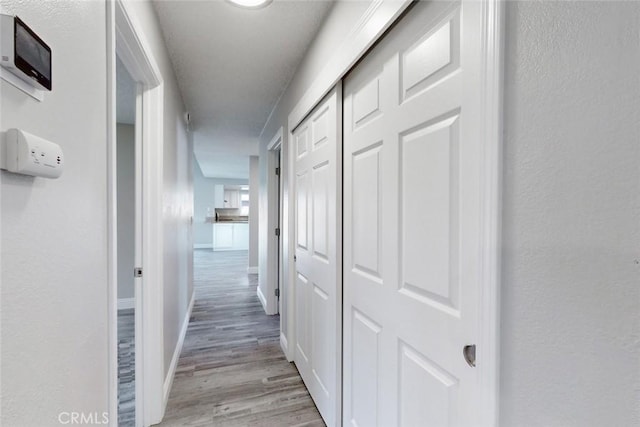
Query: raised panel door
[[316, 150], [412, 222]]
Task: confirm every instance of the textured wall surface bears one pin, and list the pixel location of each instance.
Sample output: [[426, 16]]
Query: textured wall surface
[[54, 232], [571, 273]]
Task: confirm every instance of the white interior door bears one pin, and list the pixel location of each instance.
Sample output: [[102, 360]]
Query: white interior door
[[412, 222], [316, 148]]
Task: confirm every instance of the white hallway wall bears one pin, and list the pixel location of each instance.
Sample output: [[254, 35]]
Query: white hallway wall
[[571, 239], [54, 232], [177, 205]]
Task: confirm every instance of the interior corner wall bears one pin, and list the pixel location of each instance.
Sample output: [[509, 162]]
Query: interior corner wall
[[570, 321], [54, 295], [254, 213], [177, 208], [332, 33], [125, 137]]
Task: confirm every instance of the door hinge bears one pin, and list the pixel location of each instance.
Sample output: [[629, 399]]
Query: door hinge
[[278, 231], [278, 293], [137, 272], [278, 171]]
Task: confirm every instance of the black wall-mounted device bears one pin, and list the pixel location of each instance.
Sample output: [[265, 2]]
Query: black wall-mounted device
[[24, 53]]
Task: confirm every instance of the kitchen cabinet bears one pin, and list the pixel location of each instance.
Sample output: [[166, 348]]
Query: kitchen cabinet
[[218, 196], [231, 198], [232, 236], [222, 236], [241, 236]]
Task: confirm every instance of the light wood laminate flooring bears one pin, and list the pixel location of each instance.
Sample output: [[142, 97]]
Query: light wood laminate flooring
[[126, 368], [232, 371]]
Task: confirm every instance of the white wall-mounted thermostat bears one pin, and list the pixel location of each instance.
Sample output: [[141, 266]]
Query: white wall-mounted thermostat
[[30, 155], [24, 53]]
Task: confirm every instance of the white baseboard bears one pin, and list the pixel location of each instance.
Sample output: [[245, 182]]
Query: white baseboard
[[126, 303], [252, 270], [168, 381], [262, 299], [284, 344], [203, 246], [230, 249]]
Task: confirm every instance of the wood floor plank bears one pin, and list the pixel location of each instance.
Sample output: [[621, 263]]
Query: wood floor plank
[[232, 371], [126, 368]]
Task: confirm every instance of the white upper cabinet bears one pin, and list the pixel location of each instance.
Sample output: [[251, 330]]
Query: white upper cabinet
[[231, 198]]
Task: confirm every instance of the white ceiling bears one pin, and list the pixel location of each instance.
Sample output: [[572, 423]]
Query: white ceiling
[[232, 66]]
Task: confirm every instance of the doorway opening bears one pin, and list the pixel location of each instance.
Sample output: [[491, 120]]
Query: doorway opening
[[277, 153], [127, 45], [274, 292], [127, 189]]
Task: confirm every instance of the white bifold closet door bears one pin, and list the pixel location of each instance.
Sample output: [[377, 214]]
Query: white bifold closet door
[[316, 147], [412, 222]]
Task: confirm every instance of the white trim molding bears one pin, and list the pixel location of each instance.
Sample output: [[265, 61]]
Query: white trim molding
[[262, 298], [130, 39], [276, 141], [252, 270], [284, 344], [168, 381], [493, 22], [152, 255], [112, 216]]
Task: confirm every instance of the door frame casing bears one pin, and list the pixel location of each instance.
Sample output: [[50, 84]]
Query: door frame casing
[[270, 301], [374, 22], [488, 354], [125, 38]]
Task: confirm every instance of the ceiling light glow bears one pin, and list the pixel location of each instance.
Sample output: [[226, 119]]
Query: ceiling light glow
[[250, 4]]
